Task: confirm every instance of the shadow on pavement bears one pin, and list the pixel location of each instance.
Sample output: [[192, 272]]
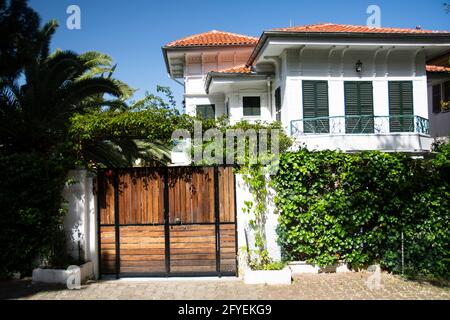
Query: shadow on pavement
[[22, 289]]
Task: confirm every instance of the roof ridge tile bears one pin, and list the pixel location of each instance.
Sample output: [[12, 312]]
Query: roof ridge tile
[[214, 38]]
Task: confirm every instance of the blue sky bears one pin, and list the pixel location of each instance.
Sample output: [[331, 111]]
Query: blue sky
[[133, 31]]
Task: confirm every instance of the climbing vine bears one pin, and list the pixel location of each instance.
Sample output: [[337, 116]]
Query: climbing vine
[[257, 179]]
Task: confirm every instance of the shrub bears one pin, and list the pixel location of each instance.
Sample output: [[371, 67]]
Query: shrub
[[354, 207], [30, 215]]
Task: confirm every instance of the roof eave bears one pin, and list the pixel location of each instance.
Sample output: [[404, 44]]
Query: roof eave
[[166, 58], [212, 75], [267, 34]]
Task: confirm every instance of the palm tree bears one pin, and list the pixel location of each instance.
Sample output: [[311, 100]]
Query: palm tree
[[37, 104], [40, 92], [35, 114]]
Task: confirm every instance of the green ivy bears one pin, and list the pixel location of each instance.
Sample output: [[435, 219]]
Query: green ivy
[[337, 206]]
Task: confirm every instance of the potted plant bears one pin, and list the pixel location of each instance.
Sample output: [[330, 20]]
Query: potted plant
[[61, 268]]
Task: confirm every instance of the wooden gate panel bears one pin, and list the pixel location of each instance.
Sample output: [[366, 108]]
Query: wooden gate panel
[[142, 249], [141, 197], [226, 194], [195, 239], [193, 248], [105, 192], [191, 195], [108, 250], [228, 248]]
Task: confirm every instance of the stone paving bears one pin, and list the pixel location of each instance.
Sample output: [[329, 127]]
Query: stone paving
[[311, 287]]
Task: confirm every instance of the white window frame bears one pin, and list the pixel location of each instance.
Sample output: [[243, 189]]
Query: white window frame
[[262, 104]]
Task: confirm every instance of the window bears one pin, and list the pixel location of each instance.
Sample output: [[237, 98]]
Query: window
[[401, 106], [315, 105], [278, 104], [446, 91], [358, 107], [440, 92], [252, 106], [206, 111], [437, 97], [227, 108]]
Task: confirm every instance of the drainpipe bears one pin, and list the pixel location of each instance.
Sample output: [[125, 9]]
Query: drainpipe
[[177, 81], [184, 90]]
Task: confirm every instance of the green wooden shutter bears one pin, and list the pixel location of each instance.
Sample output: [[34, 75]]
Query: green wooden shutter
[[358, 107], [315, 105], [401, 106]]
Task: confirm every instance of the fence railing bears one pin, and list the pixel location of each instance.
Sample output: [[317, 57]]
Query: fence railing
[[362, 124]]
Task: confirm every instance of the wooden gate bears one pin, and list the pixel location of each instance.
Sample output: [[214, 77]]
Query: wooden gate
[[177, 221]]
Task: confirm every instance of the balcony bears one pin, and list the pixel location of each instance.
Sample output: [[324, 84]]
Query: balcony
[[360, 124], [363, 132]]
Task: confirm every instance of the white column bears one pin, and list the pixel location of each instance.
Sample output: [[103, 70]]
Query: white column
[[292, 102], [381, 105], [420, 97], [236, 111], [336, 102], [80, 222]]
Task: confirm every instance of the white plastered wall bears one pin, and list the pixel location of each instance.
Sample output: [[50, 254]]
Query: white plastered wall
[[80, 222], [245, 234], [197, 65]]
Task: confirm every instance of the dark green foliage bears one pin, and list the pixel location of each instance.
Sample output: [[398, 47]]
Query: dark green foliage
[[354, 207], [19, 31], [39, 93], [30, 215]]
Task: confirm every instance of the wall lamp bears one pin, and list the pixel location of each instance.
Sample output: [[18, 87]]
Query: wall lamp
[[359, 66]]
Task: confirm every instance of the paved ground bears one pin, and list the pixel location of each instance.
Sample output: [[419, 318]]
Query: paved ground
[[321, 286]]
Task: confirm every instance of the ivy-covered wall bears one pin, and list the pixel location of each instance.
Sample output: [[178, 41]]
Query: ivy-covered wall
[[355, 207]]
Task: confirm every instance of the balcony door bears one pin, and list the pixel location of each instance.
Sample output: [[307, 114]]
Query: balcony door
[[359, 107], [315, 107], [401, 112]]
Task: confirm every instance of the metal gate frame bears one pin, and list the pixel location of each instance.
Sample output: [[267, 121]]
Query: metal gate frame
[[167, 226]]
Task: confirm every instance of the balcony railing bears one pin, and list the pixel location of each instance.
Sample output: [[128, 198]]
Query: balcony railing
[[360, 124]]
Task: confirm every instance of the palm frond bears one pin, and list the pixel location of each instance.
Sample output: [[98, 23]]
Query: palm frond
[[154, 151], [45, 36], [96, 104], [106, 153], [125, 90], [92, 59], [75, 92], [60, 67]]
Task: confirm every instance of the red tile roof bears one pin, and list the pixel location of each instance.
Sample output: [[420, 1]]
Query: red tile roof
[[214, 38], [242, 69], [433, 68], [343, 28]]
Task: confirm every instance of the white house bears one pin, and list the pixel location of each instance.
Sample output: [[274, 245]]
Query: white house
[[438, 71], [332, 86]]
